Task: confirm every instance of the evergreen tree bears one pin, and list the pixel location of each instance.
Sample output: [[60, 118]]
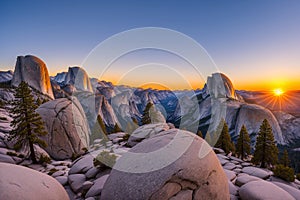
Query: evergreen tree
[[266, 151], [117, 128], [224, 142], [243, 143], [39, 101], [101, 124], [199, 133], [284, 160], [146, 119], [27, 124]]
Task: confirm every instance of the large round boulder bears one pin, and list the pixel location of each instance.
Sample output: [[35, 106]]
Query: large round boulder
[[21, 183], [172, 164], [34, 71], [68, 130]]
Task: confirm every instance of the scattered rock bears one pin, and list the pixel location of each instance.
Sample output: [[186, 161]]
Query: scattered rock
[[146, 131], [62, 179], [6, 159], [76, 181], [245, 178], [230, 174], [82, 165], [291, 190], [96, 189]]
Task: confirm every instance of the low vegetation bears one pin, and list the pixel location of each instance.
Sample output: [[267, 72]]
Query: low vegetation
[[285, 173]]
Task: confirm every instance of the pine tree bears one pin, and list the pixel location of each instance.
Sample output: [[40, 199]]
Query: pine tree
[[39, 101], [243, 143], [199, 133], [27, 124], [284, 160], [101, 124], [224, 142], [117, 128], [266, 152], [146, 119]]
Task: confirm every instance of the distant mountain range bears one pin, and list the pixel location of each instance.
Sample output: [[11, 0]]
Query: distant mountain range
[[123, 104]]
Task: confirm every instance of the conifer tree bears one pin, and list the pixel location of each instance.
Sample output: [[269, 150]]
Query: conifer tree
[[284, 160], [117, 128], [266, 152], [146, 119], [199, 133], [243, 143], [39, 101], [224, 142], [27, 123], [101, 124]]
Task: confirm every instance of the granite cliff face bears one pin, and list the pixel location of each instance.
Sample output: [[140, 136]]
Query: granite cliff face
[[78, 77], [33, 71]]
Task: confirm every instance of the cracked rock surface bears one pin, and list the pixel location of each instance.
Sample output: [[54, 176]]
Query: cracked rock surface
[[185, 174], [68, 132]]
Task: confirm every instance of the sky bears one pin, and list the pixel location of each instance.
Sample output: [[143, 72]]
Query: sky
[[255, 43]]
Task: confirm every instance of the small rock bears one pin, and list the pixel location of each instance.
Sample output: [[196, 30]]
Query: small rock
[[232, 188], [167, 191], [218, 151], [92, 172], [87, 185], [96, 189], [82, 165], [62, 179], [229, 166], [58, 173], [6, 159], [254, 171], [245, 178], [230, 174], [183, 195], [76, 181]]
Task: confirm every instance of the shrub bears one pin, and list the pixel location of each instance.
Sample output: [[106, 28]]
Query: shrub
[[10, 153], [74, 156], [105, 158], [298, 176], [126, 137], [52, 171], [285, 173], [44, 159]]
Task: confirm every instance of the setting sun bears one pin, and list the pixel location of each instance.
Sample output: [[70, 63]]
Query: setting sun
[[278, 92]]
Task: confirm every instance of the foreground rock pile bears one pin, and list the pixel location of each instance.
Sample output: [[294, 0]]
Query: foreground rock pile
[[249, 182]]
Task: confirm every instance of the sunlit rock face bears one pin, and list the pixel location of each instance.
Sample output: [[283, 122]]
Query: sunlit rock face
[[220, 86], [33, 71], [252, 117], [79, 78]]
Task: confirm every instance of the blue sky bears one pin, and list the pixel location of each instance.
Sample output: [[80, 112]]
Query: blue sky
[[256, 43]]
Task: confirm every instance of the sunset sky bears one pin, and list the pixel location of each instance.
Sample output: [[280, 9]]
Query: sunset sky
[[256, 43]]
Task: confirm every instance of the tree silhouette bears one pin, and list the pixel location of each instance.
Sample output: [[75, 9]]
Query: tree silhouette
[[224, 142], [243, 143], [27, 123], [284, 160], [266, 152], [146, 119]]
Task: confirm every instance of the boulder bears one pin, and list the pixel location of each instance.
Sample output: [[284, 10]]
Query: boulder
[[76, 181], [254, 171], [165, 165], [68, 131], [33, 71], [146, 131], [291, 190], [245, 178], [19, 182], [230, 174], [260, 190], [82, 165]]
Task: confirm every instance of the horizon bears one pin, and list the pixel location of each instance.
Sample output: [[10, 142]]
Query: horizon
[[258, 50]]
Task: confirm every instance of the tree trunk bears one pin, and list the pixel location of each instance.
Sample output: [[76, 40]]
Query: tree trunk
[[32, 154]]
